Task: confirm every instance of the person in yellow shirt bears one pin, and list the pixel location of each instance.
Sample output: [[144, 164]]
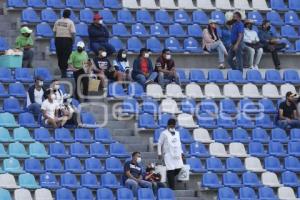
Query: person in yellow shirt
[[24, 43]]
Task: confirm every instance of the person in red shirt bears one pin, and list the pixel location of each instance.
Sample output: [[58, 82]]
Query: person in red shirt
[[143, 72]]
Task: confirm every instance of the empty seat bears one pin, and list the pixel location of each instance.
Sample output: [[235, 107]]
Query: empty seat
[[113, 165], [17, 150], [291, 76], [124, 193], [12, 105], [231, 180], [237, 149], [202, 135], [79, 150], [138, 29], [94, 165], [240, 135], [162, 17], [64, 193], [216, 75], [57, 4], [286, 193], [195, 164], [223, 4], [94, 4], [125, 16], [44, 73], [218, 16], [146, 121], [114, 4], [58, 150], [48, 15], [210, 180], [73, 165], [63, 135], [270, 179], [20, 194], [53, 165], [6, 76], [49, 180], [253, 164], [250, 90], [193, 90], [250, 179], [279, 135], [17, 90], [294, 5], [74, 4], [260, 5], [148, 4], [21, 135], [289, 179], [42, 135], [278, 5], [155, 91], [242, 4], [180, 16], [292, 163], [228, 106], [272, 164], [12, 165], [84, 193], [200, 17], [287, 88], [231, 90], [191, 45], [234, 164], [235, 76], [109, 181], [294, 149], [267, 106], [198, 149], [154, 45], [173, 44], [174, 91], [158, 30], [38, 150], [169, 106], [27, 120], [291, 18], [5, 136], [131, 4], [217, 149], [206, 120], [226, 193], [260, 135], [43, 194], [108, 17], [7, 120], [247, 193], [134, 44], [118, 150], [8, 181], [225, 121], [143, 16], [270, 91], [289, 32], [28, 181], [69, 181], [256, 17], [188, 106], [30, 16], [257, 149], [215, 164], [212, 90], [167, 4], [186, 121], [275, 18]]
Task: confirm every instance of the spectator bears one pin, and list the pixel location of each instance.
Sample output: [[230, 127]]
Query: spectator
[[67, 110], [50, 111], [211, 41], [237, 44], [24, 42], [64, 31], [104, 69], [133, 174], [270, 42], [169, 146], [121, 64], [153, 177], [288, 115], [59, 95], [35, 96], [98, 35], [143, 69], [77, 61], [165, 67], [252, 45]]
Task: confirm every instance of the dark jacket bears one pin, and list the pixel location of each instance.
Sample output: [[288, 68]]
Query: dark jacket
[[31, 93], [98, 33], [137, 67], [164, 64], [265, 36]]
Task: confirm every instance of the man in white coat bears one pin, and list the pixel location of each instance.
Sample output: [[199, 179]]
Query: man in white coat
[[169, 147]]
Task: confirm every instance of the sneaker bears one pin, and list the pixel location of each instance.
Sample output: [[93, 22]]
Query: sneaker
[[149, 82], [256, 67], [252, 67]]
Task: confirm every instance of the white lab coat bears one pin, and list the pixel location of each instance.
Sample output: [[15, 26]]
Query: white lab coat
[[170, 147]]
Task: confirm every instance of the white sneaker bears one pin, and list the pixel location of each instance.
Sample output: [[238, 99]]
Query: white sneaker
[[256, 67], [252, 67]]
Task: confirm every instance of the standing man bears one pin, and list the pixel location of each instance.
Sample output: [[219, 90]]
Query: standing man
[[165, 67], [133, 174], [64, 32], [35, 96], [270, 42], [24, 42], [99, 35], [237, 45], [169, 146]]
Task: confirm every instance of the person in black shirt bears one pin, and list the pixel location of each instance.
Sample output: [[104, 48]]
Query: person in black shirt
[[288, 116], [133, 174], [165, 67]]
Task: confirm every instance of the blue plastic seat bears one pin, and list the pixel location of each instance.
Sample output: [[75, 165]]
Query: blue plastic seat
[[289, 32], [218, 16], [12, 105], [130, 106], [5, 136], [143, 16], [291, 18], [272, 164], [247, 193], [88, 120], [33, 166], [200, 17], [69, 180], [260, 135], [104, 194], [297, 44], [63, 194], [38, 150], [273, 76], [163, 119], [114, 4], [276, 149], [83, 135], [290, 47], [196, 165], [16, 4], [48, 15], [278, 5], [158, 30], [73, 165], [206, 120], [181, 16], [182, 76], [6, 76], [256, 17], [250, 179], [162, 16], [228, 106], [8, 120], [27, 120], [74, 4], [58, 150], [79, 150], [94, 165], [3, 153], [235, 165], [109, 180], [209, 106], [23, 75], [5, 194], [266, 193], [134, 44], [191, 45], [215, 165], [195, 31], [63, 135], [290, 179], [256, 149], [84, 194], [292, 163], [42, 135], [267, 106], [118, 150], [3, 44], [98, 150], [235, 76], [82, 29], [48, 180], [221, 135], [103, 135], [3, 92], [57, 4], [28, 181], [146, 121], [54, 165], [279, 135], [275, 18], [231, 180], [145, 194], [291, 76], [116, 43], [295, 134], [176, 30], [17, 90], [139, 30], [226, 193], [165, 193], [188, 106], [185, 136], [264, 121], [294, 149], [17, 150], [108, 17], [199, 150], [44, 30], [197, 75], [30, 16], [254, 76], [124, 194], [114, 165], [154, 45], [125, 16], [157, 134], [135, 90], [93, 4], [173, 44], [89, 180], [294, 5], [248, 106], [216, 75], [44, 73], [86, 15], [240, 135], [120, 30], [210, 180], [12, 165]]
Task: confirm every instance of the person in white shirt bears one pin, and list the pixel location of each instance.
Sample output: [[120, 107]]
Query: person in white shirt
[[252, 45], [35, 96], [169, 148], [59, 95], [121, 64]]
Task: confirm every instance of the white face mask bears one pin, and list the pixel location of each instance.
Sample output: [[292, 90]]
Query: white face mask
[[168, 56], [103, 54], [100, 21], [172, 130], [52, 96], [147, 55], [56, 86], [124, 55], [41, 83], [69, 101], [139, 160]]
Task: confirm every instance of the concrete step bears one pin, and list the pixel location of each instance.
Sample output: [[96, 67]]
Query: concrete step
[[190, 198], [185, 193], [130, 140], [149, 155], [120, 132], [137, 147]]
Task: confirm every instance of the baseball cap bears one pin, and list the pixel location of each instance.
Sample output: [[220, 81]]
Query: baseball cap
[[212, 21], [97, 16], [80, 44], [25, 29], [249, 21], [288, 94]]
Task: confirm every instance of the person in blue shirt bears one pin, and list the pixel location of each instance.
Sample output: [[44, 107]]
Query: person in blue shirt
[[270, 42], [237, 45], [121, 64]]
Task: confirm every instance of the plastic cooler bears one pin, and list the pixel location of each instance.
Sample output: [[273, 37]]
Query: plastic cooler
[[11, 61]]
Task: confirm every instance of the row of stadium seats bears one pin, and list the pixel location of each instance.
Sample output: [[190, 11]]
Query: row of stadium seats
[[21, 194], [24, 181]]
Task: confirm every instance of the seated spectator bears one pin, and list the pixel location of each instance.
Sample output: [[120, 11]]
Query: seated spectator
[[270, 42], [165, 67], [288, 115], [121, 64], [211, 41], [68, 111], [143, 69], [50, 111], [99, 35], [24, 42], [59, 95], [153, 177], [35, 96], [133, 174], [252, 45]]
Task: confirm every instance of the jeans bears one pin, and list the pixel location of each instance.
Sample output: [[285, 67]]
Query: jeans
[[142, 79], [285, 124], [134, 186], [219, 46], [34, 108], [63, 51], [164, 79], [171, 174], [95, 46], [251, 54], [239, 57], [27, 58], [157, 185], [274, 48]]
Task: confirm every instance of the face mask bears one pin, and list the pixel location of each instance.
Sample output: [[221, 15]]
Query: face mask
[[41, 83], [52, 96], [56, 86], [103, 54], [268, 28], [124, 55], [168, 56], [139, 160], [100, 21], [69, 101], [249, 27], [146, 55], [79, 50], [172, 130]]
